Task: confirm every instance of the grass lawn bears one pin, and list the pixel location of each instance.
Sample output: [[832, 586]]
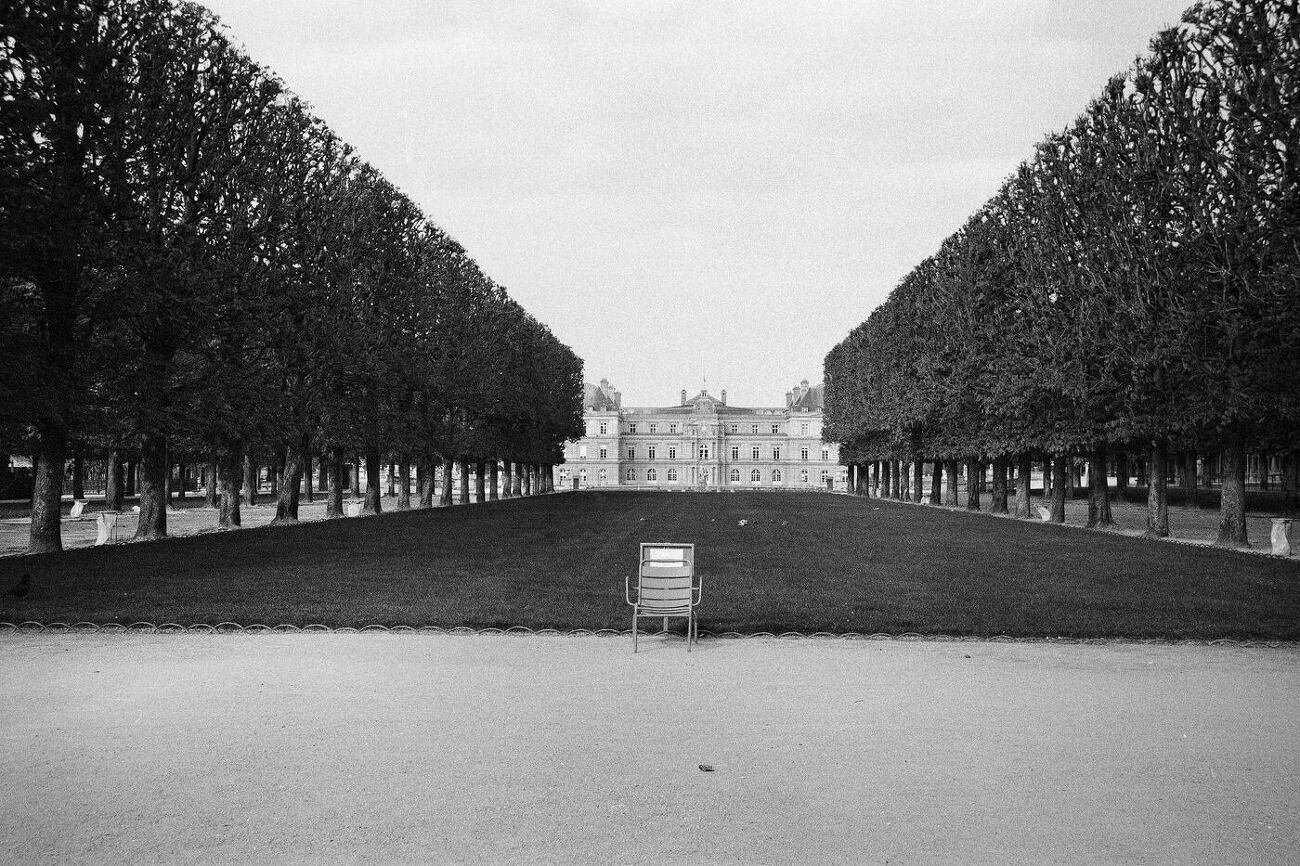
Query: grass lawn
[[802, 562]]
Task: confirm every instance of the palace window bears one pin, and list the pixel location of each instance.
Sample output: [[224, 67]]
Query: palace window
[[654, 428], [582, 477], [735, 452], [803, 453], [631, 454], [776, 428], [735, 427], [672, 474], [755, 476], [651, 449], [672, 428], [651, 475], [631, 475], [803, 429], [735, 475], [753, 452], [803, 476], [753, 428], [826, 453], [776, 452], [604, 453], [776, 476], [604, 428], [631, 428], [672, 453], [603, 475], [824, 475], [582, 452], [704, 452]]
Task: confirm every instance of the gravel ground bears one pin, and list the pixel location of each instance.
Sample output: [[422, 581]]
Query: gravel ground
[[385, 748]]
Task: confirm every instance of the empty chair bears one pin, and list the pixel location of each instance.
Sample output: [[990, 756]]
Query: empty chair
[[666, 586]]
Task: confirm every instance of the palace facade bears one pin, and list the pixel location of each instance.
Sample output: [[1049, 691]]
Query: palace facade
[[701, 443]]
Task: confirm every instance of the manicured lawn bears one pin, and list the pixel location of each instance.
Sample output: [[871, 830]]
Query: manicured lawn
[[801, 562]]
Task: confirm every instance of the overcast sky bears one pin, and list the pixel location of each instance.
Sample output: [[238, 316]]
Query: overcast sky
[[691, 189]]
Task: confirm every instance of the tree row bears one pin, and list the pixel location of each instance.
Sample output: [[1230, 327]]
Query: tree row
[[1131, 288], [193, 266]]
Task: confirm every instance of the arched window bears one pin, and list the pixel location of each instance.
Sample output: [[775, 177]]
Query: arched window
[[755, 476], [735, 475], [776, 476], [803, 476], [631, 475], [651, 475], [672, 474]]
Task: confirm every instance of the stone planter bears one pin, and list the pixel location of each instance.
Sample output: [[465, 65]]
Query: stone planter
[[1281, 529]]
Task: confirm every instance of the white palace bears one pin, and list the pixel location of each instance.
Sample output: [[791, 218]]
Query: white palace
[[701, 443]]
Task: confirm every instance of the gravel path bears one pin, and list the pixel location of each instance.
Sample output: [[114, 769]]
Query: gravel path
[[383, 748]]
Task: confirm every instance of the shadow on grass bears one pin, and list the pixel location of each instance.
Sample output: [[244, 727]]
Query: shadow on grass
[[800, 562]]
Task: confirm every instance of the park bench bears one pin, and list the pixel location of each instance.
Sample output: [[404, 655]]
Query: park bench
[[666, 586]]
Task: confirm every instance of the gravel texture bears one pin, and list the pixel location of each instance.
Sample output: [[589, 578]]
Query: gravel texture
[[490, 749]]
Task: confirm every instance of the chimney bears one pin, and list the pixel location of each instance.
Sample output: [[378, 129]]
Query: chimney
[[683, 396], [789, 399], [724, 396], [618, 399]]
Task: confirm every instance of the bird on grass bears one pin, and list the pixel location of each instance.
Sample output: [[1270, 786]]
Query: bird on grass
[[21, 588]]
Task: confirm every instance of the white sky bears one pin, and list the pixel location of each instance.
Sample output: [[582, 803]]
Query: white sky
[[718, 188]]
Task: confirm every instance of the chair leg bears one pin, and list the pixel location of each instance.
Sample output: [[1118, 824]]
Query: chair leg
[[689, 619], [634, 632]]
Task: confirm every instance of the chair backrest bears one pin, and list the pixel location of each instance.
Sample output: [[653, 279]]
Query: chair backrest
[[666, 576]]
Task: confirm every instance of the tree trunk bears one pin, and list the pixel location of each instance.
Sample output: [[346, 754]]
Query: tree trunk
[[403, 482], [1060, 481], [229, 469], [392, 487], [506, 479], [1158, 490], [493, 479], [335, 481], [113, 482], [355, 466], [462, 481], [424, 480], [1290, 483], [1232, 508], [308, 477], [901, 480], [918, 479], [1099, 515], [78, 476], [374, 480], [46, 532], [517, 483], [210, 483], [1000, 485], [1024, 469], [480, 481], [1191, 490], [974, 472], [527, 474], [286, 502], [950, 492], [322, 469], [886, 479], [153, 487], [1121, 476], [250, 480], [1076, 476], [444, 497], [936, 482], [128, 479]]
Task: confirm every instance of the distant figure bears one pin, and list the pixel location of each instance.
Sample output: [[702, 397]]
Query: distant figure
[[20, 589]]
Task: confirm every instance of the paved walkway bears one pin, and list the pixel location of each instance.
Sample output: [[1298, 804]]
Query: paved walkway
[[384, 748]]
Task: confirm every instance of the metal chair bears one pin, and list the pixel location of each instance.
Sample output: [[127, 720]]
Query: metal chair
[[666, 586]]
